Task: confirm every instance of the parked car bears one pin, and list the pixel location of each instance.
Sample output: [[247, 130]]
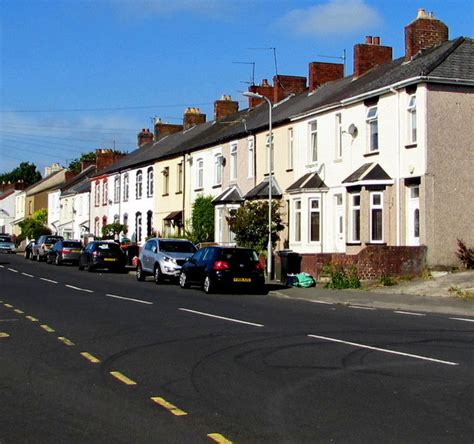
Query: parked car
[[218, 268], [28, 249], [6, 244], [102, 254], [64, 251], [163, 258], [42, 246]]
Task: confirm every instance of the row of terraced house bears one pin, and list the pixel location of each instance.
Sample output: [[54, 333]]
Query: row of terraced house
[[373, 169]]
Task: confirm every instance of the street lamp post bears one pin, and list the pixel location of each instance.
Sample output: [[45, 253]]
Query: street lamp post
[[270, 176]]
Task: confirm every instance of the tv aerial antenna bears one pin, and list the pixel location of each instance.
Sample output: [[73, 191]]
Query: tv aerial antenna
[[343, 58], [252, 80]]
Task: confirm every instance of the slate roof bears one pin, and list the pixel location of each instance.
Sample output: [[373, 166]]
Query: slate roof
[[78, 182], [310, 181], [261, 190], [229, 195], [368, 171], [451, 60]]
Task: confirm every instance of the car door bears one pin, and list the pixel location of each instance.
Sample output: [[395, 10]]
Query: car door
[[147, 259], [191, 266]]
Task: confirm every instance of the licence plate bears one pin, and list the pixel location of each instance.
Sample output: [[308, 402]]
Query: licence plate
[[75, 251], [242, 280], [110, 259]]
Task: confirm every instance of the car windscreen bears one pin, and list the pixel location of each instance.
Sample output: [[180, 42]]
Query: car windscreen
[[237, 254], [69, 244], [5, 239], [170, 246]]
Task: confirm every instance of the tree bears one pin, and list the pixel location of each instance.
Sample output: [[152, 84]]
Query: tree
[[202, 220], [34, 226], [113, 230], [75, 165], [250, 224], [26, 171]]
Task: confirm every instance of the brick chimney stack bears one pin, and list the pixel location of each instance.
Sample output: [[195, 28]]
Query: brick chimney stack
[[264, 89], [193, 117], [163, 129], [322, 72], [225, 107], [7, 186], [423, 32], [369, 55], [144, 136], [106, 157], [284, 86]]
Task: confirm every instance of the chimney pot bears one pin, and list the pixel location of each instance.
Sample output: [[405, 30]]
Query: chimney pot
[[376, 40], [368, 39]]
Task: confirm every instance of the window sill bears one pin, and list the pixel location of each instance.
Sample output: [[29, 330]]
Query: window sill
[[198, 189], [372, 153], [411, 145], [289, 170], [217, 186], [165, 194], [338, 160], [353, 244], [368, 244], [178, 192]]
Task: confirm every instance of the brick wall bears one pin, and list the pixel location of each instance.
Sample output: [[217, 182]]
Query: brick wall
[[370, 54], [371, 263], [323, 72], [284, 86]]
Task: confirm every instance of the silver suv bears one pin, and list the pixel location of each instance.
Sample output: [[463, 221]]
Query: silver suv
[[42, 246], [163, 258]]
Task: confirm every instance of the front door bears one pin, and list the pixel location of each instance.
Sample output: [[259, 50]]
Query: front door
[[413, 215], [339, 224]]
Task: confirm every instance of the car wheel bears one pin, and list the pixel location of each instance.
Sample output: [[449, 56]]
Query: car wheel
[[48, 260], [57, 261], [90, 268], [208, 286], [140, 274], [81, 267], [38, 258], [157, 276], [183, 282]]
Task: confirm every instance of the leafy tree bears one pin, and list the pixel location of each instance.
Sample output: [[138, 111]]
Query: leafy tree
[[41, 216], [113, 230], [202, 220], [75, 165], [26, 171], [250, 224], [32, 229]]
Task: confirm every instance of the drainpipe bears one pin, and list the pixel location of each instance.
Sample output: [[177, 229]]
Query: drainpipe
[[397, 177], [184, 189]]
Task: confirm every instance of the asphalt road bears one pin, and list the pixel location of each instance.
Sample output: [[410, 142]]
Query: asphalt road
[[100, 357]]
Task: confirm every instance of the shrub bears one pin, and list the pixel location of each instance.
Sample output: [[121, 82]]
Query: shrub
[[340, 278], [465, 254]]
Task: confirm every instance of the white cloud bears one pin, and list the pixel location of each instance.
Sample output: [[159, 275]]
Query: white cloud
[[333, 17]]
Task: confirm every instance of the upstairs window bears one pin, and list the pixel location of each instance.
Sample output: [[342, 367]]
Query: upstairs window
[[412, 119], [179, 178], [338, 136], [126, 188], [139, 185], [97, 194], [250, 158], [166, 180], [117, 189], [313, 141], [233, 161], [373, 129], [290, 149], [149, 182], [105, 192], [218, 161], [199, 173]]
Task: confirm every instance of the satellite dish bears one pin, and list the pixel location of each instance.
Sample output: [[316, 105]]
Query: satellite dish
[[352, 130]]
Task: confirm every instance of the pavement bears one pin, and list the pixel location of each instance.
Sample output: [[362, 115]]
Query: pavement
[[447, 293]]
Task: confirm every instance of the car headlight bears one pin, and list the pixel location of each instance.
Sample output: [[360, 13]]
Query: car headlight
[[170, 259]]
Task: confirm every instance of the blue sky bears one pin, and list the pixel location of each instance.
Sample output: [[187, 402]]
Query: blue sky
[[77, 75]]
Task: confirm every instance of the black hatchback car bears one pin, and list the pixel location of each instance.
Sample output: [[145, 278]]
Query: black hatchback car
[[101, 254], [228, 268]]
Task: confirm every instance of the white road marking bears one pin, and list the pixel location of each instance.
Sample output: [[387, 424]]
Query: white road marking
[[322, 302], [463, 319], [360, 307], [410, 313], [49, 280], [129, 299], [14, 271], [79, 289], [221, 317], [2, 266], [26, 274], [384, 350]]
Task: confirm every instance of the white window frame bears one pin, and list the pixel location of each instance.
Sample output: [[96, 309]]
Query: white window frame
[[179, 177], [411, 120], [338, 120], [355, 215], [250, 158], [372, 129], [267, 148], [97, 194], [297, 221], [149, 182], [218, 169], [376, 207], [126, 187], [233, 161], [105, 191], [138, 185], [313, 141], [199, 173], [290, 148], [312, 211], [117, 189], [166, 180]]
